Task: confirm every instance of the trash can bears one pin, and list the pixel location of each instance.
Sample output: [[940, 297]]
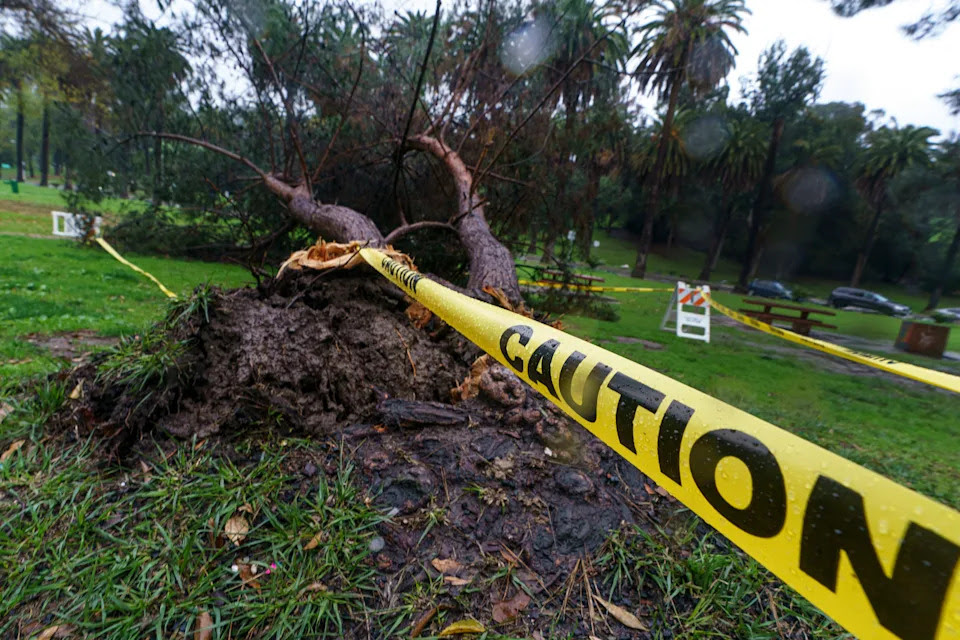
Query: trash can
[[14, 186], [923, 338]]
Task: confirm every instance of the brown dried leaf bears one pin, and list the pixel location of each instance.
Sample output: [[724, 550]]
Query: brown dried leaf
[[454, 581], [509, 556], [246, 508], [446, 565], [56, 631], [419, 315], [204, 626], [12, 449], [236, 529], [470, 387], [315, 540], [5, 410], [463, 626], [499, 296], [77, 392], [509, 609], [312, 587], [623, 616], [247, 576]]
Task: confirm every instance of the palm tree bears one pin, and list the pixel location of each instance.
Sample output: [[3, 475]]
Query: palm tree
[[587, 60], [737, 168], [686, 42], [947, 170], [890, 150]]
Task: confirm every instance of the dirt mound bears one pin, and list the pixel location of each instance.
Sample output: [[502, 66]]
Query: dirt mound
[[500, 475]]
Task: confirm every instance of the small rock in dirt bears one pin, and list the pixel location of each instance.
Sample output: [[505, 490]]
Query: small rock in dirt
[[573, 481], [309, 469], [377, 544]]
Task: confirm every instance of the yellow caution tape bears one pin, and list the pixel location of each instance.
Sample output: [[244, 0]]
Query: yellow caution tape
[[589, 287], [880, 559], [912, 371], [113, 252]]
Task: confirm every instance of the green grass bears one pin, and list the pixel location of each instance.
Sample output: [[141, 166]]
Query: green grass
[[904, 430], [131, 553], [49, 197], [53, 286]]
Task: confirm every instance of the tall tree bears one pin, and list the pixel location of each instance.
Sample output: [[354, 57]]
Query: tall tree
[[736, 168], [590, 54], [687, 41], [783, 88], [947, 170], [889, 151]]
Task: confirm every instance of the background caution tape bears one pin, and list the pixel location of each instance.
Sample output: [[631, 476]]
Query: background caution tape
[[914, 372], [880, 559], [590, 287], [113, 252]]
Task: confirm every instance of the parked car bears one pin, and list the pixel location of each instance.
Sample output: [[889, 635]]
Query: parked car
[[769, 289], [861, 299], [950, 314]]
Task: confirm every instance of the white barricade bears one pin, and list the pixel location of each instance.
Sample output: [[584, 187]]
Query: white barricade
[[692, 312]]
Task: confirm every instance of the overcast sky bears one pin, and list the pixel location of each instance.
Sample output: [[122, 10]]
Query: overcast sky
[[868, 58]]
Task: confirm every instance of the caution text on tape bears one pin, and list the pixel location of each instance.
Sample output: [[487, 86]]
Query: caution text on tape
[[880, 559]]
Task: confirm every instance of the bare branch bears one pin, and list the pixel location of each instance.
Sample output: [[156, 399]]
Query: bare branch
[[423, 224]]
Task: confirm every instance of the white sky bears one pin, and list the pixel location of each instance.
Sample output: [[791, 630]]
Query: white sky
[[868, 59]]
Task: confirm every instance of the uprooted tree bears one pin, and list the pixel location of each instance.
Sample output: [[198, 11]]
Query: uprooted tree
[[340, 112]]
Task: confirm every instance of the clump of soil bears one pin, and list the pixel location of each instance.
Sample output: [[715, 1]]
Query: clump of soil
[[500, 475]]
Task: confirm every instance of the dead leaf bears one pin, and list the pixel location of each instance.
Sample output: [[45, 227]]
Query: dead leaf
[[315, 540], [246, 508], [236, 529], [310, 588], [77, 392], [662, 492], [470, 387], [144, 467], [509, 556], [418, 314], [454, 581], [446, 565], [5, 410], [56, 631], [509, 609], [499, 296], [14, 446], [623, 616], [463, 626], [204, 627], [247, 576]]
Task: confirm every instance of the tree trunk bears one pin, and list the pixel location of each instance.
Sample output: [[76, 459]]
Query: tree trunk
[[947, 267], [549, 244], [45, 145], [864, 254], [719, 235], [20, 113], [653, 199], [761, 207], [532, 240], [490, 262]]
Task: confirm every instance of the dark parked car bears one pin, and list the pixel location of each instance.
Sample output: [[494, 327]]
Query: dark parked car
[[769, 289], [847, 297], [950, 314]]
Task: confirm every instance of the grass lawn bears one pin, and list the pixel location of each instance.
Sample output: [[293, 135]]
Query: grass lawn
[[55, 286], [135, 552]]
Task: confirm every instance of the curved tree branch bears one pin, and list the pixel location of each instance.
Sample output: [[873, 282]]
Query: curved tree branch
[[399, 232]]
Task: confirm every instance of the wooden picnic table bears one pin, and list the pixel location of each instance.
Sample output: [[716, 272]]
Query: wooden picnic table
[[798, 323], [572, 278]]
